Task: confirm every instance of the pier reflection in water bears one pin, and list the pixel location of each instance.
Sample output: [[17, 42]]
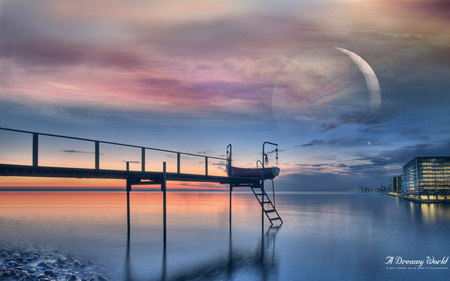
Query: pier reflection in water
[[262, 259], [326, 236]]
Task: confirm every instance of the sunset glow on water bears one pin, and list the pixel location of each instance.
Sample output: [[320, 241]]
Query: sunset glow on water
[[342, 232]]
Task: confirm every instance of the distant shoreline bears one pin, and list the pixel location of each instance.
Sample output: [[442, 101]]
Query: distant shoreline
[[181, 191]]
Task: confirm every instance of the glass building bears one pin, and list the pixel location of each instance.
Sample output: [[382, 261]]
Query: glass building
[[397, 184], [427, 178]]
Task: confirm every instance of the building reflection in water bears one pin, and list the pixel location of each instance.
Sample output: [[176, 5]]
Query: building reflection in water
[[261, 260], [429, 213]]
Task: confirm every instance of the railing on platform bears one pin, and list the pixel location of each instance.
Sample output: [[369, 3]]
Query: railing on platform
[[97, 147]]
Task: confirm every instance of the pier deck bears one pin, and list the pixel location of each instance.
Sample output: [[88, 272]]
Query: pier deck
[[136, 176]]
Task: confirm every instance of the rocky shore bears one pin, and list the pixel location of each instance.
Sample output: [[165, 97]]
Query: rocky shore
[[31, 264]]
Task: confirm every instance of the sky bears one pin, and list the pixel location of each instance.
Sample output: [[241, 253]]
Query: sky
[[197, 75]]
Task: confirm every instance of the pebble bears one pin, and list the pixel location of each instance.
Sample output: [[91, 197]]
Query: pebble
[[40, 265], [72, 278]]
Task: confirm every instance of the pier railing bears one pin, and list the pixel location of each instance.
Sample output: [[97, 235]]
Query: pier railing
[[97, 148]]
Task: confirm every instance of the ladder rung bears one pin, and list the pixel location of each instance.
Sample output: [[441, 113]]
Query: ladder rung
[[270, 211], [258, 194], [278, 218]]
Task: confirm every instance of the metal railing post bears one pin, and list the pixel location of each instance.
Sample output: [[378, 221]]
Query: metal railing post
[[143, 158], [97, 155], [178, 162], [35, 149], [206, 165]]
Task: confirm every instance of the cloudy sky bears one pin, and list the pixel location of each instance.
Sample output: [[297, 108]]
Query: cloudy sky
[[197, 75]]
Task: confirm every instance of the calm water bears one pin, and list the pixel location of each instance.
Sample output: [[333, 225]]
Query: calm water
[[326, 236]]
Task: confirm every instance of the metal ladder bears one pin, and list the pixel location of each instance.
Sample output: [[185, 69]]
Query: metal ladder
[[271, 212]]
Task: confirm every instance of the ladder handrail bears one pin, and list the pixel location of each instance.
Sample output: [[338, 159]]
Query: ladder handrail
[[268, 201]]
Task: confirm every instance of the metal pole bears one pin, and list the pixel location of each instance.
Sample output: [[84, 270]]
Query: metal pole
[[230, 242], [128, 166], [128, 207], [97, 155], [35, 149], [143, 159], [231, 191], [164, 188], [262, 209], [262, 191], [178, 162], [206, 165], [229, 159]]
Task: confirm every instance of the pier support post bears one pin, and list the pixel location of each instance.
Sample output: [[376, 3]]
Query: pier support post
[[163, 188], [128, 207], [231, 192], [230, 242]]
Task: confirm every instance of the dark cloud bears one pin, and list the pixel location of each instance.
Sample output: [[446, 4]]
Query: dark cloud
[[344, 141], [388, 163], [136, 162], [316, 165], [32, 35], [329, 126], [45, 52], [377, 168], [434, 8], [322, 182], [402, 155], [313, 142], [76, 151]]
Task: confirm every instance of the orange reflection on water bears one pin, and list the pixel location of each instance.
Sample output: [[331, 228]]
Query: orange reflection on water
[[109, 208], [37, 182], [74, 184], [63, 207]]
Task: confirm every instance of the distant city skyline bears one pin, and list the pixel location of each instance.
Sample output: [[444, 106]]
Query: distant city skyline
[[195, 76]]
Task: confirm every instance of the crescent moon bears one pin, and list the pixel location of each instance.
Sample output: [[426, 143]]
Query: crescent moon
[[370, 77]]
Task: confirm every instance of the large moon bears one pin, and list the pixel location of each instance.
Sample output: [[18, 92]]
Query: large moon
[[326, 85], [370, 77]]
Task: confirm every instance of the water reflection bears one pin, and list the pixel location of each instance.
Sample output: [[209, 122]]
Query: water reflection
[[429, 213], [338, 236], [261, 260]]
